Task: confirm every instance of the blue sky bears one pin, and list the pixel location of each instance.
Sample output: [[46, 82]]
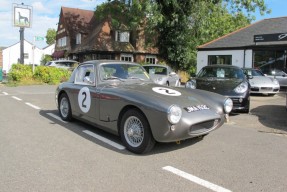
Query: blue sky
[[46, 15]]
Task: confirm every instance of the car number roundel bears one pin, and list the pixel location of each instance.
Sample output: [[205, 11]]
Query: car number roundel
[[84, 99], [166, 91]]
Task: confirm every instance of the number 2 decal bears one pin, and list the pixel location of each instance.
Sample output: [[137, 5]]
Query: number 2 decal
[[166, 91], [84, 99]]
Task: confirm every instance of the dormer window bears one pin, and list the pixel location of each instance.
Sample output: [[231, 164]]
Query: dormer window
[[122, 36], [78, 38]]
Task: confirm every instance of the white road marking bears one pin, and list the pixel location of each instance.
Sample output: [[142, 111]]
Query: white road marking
[[16, 98], [105, 140], [33, 106], [56, 117], [5, 93], [195, 179]]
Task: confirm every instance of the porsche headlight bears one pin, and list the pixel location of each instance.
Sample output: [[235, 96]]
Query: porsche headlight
[[228, 105], [241, 88], [174, 114], [275, 81], [190, 84]]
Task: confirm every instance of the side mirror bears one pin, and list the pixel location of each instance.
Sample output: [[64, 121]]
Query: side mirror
[[172, 73], [249, 76]]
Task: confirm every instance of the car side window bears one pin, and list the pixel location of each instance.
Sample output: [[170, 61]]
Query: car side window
[[85, 75]]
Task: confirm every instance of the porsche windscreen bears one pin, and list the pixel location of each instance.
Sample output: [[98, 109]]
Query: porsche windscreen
[[222, 73]]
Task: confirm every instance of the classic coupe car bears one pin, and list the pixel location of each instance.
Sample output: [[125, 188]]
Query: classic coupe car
[[226, 80], [119, 97], [260, 83], [162, 75]]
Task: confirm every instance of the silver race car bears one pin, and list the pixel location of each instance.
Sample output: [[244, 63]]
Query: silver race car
[[119, 97]]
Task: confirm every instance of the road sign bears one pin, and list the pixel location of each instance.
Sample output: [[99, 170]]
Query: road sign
[[39, 38]]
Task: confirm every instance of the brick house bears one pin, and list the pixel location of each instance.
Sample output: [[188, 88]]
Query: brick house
[[80, 36]]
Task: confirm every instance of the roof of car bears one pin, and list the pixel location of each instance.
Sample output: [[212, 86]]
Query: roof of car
[[222, 65]]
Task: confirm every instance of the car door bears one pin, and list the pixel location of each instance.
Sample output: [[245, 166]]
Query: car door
[[85, 93]]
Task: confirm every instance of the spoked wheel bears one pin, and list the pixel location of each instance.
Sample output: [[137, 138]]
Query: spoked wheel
[[135, 132], [65, 108]]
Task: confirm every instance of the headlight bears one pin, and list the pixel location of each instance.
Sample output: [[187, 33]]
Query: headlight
[[275, 81], [243, 87], [190, 84], [228, 105], [159, 79], [174, 114]]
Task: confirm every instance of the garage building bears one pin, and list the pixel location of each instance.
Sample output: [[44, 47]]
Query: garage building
[[260, 45]]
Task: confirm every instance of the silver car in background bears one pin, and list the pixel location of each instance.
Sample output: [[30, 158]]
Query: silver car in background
[[260, 83], [64, 64], [162, 75]]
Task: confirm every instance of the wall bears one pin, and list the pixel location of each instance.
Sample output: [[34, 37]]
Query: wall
[[12, 54], [237, 57]]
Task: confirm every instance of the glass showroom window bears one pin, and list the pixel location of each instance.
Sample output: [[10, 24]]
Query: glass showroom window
[[219, 59], [269, 60], [150, 59], [126, 57]]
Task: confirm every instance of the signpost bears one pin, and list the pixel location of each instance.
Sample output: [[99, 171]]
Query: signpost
[[22, 17]]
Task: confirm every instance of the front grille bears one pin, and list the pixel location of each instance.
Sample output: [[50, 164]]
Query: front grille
[[266, 88], [204, 126]]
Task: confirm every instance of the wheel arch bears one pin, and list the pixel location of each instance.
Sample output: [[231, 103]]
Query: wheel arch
[[124, 110]]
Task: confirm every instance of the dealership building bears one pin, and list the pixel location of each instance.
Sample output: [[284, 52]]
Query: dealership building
[[260, 45]]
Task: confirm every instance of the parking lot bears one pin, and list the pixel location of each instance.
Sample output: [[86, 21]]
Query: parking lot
[[39, 152]]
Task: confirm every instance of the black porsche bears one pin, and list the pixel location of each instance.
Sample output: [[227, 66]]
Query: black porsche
[[226, 80]]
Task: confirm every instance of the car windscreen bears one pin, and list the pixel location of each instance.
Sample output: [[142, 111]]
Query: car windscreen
[[253, 72], [122, 72], [221, 72], [156, 70]]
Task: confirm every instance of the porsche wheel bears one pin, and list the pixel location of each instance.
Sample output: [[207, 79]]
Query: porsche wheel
[[135, 132], [65, 108]]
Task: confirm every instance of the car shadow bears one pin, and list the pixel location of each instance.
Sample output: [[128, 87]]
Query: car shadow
[[272, 116], [78, 127]]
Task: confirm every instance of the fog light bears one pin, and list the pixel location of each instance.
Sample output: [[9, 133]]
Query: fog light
[[172, 128]]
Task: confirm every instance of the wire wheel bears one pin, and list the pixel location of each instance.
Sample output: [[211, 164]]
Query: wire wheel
[[134, 131], [65, 108]]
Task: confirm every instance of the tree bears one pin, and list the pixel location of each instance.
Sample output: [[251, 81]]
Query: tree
[[185, 24], [51, 36]]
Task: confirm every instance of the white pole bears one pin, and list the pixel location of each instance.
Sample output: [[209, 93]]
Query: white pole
[[33, 47]]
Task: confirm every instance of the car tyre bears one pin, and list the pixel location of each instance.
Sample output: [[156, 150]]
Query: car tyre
[[135, 132], [65, 107]]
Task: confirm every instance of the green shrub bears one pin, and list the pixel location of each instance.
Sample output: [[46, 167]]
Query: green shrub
[[23, 74], [20, 72], [51, 75]]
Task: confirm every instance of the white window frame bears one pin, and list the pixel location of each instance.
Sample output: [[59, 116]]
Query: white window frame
[[127, 57], [62, 42], [150, 57], [122, 36], [78, 38]]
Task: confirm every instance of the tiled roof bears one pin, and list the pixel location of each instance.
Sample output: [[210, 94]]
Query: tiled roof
[[244, 37], [77, 20]]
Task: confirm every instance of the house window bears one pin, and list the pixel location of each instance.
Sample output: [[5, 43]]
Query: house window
[[150, 59], [126, 57], [78, 38], [62, 42], [122, 36], [26, 55], [219, 59]]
